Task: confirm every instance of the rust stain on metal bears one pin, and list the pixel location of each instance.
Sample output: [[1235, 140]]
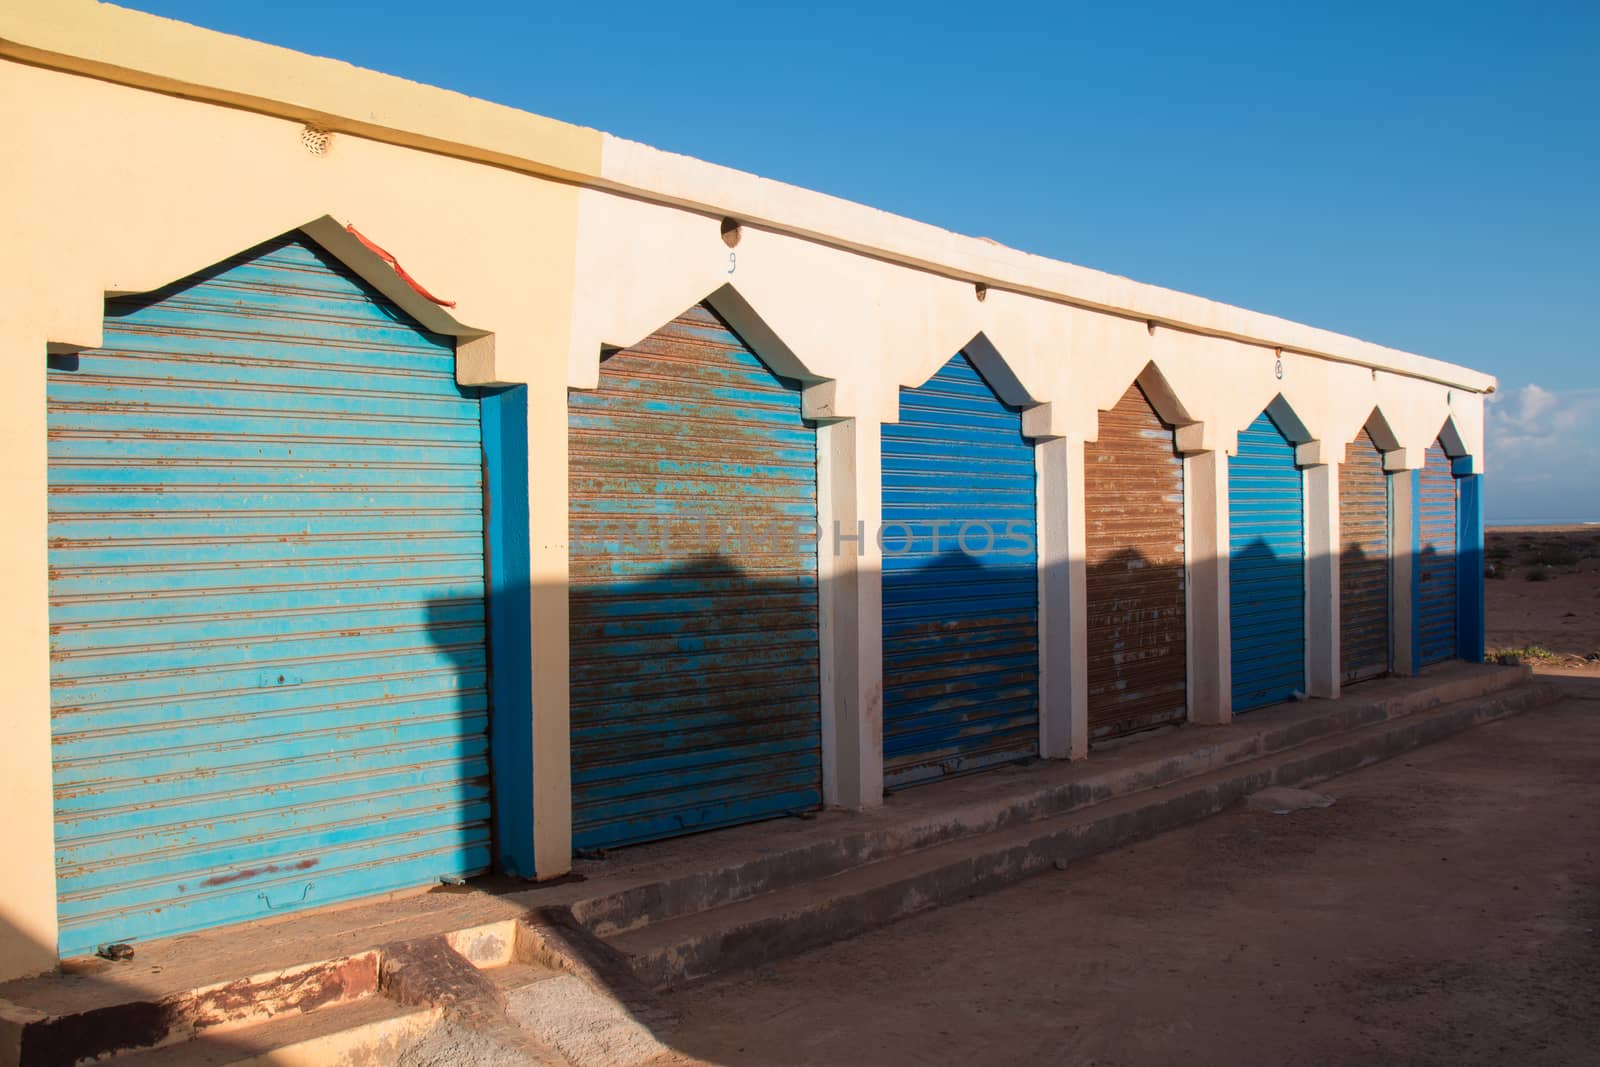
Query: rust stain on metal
[[256, 872], [692, 600]]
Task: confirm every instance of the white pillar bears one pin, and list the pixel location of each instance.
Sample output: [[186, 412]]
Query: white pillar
[[1402, 562], [850, 573], [1210, 630], [1322, 580], [1063, 601]]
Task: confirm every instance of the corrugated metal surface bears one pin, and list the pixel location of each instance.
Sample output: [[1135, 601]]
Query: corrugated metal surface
[[1266, 509], [1363, 562], [1436, 562], [1469, 563], [266, 604], [960, 627], [1133, 512], [695, 685]]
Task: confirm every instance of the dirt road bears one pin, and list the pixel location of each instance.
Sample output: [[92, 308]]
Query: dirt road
[[1543, 599], [1446, 910]]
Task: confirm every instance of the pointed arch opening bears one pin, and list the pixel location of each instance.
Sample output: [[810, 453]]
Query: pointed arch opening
[[1380, 430], [1449, 439], [1287, 420], [1162, 396]]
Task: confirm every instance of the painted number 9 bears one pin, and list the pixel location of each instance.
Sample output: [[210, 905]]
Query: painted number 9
[[733, 262]]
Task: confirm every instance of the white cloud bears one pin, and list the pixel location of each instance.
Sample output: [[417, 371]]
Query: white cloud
[[1534, 423]]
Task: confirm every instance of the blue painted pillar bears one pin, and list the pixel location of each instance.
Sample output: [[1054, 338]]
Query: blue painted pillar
[[1469, 567], [505, 491], [1415, 592]]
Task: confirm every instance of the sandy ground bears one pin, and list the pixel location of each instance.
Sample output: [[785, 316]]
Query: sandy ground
[[1559, 611], [1445, 910]]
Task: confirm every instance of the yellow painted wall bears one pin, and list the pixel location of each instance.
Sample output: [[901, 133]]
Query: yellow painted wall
[[114, 189]]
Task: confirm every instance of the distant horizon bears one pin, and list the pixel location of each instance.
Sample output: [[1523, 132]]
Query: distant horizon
[[1492, 523]]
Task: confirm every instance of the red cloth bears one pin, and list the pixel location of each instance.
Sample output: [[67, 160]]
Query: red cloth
[[397, 268]]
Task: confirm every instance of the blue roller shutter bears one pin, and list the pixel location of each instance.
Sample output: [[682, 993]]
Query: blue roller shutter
[[1267, 548], [1436, 559], [266, 604], [693, 591], [960, 585]]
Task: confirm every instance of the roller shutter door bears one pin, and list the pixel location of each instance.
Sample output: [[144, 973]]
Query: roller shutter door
[[266, 604], [1363, 562], [1266, 509], [1436, 559], [695, 685], [1133, 511], [960, 586]]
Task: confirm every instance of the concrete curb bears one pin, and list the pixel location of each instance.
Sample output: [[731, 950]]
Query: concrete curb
[[684, 914], [43, 1039], [791, 921], [1081, 785]]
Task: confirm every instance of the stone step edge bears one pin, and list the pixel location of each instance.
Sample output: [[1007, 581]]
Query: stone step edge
[[370, 1030], [636, 906], [31, 1037], [558, 937], [966, 868]]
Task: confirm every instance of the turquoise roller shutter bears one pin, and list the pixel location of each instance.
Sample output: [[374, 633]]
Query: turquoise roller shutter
[[1266, 548], [266, 604], [695, 679], [1436, 560], [960, 581]]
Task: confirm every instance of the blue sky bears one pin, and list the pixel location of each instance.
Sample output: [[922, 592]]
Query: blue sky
[[1421, 175]]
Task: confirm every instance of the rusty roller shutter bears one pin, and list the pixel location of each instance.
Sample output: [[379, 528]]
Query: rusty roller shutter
[[695, 685], [1436, 559], [1133, 515], [266, 604], [1363, 562], [960, 583]]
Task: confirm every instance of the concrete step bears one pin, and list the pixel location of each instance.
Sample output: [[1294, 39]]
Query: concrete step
[[169, 1006], [379, 1030], [981, 804], [373, 1030], [205, 991], [795, 917], [585, 1024], [109, 1009], [518, 975]]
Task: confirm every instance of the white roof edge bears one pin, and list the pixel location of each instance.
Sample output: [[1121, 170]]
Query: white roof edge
[[672, 178], [133, 48]]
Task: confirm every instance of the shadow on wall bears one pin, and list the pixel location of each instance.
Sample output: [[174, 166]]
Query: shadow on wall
[[695, 673], [685, 678], [695, 680], [746, 683], [960, 652], [1136, 644]]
